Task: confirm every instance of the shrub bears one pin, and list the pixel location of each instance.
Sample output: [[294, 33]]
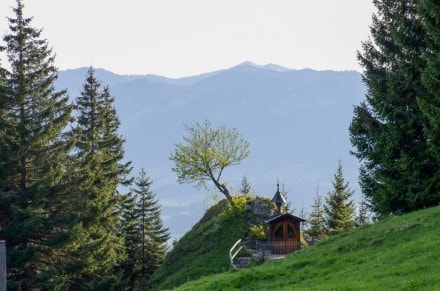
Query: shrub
[[258, 232]]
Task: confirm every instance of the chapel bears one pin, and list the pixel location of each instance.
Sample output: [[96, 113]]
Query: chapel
[[284, 228]]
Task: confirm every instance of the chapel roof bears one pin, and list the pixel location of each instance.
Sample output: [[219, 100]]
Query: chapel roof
[[278, 198], [285, 216]]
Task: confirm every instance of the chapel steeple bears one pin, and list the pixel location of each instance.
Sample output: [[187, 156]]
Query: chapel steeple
[[278, 199]]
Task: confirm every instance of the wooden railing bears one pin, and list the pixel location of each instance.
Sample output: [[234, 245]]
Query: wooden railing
[[277, 248], [232, 256]]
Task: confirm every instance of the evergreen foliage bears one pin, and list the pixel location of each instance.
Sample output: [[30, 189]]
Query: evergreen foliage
[[429, 100], [33, 158], [144, 233], [339, 210], [96, 245], [245, 186], [3, 142], [316, 223], [394, 139], [362, 217], [304, 215]]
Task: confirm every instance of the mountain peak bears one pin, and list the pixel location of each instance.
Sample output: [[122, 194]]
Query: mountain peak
[[275, 67], [248, 64], [272, 67]]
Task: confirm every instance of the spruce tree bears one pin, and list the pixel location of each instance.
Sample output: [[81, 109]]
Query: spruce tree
[[339, 210], [33, 158], [316, 224], [430, 100], [389, 130], [4, 216], [304, 215], [98, 153], [144, 233], [129, 230], [245, 186], [362, 216]]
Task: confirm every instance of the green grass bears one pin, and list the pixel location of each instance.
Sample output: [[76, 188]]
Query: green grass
[[204, 249], [397, 253]]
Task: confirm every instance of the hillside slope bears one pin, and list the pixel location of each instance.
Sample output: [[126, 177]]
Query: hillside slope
[[204, 249], [396, 253]]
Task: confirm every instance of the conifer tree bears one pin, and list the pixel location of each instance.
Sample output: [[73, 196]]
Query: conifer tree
[[304, 215], [245, 186], [4, 216], [3, 142], [144, 233], [129, 230], [33, 157], [316, 224], [3, 105], [339, 210], [99, 153], [362, 217], [389, 130], [430, 100]]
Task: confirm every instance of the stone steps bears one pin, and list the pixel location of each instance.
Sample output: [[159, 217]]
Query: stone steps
[[242, 262]]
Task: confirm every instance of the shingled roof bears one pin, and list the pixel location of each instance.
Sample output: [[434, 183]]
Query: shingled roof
[[278, 198], [285, 216]]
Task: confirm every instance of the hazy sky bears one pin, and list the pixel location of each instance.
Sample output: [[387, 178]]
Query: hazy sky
[[178, 38]]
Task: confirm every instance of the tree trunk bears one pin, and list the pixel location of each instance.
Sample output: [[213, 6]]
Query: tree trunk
[[224, 190]]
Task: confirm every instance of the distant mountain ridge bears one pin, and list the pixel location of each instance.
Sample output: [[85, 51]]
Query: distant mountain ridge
[[296, 122], [72, 79]]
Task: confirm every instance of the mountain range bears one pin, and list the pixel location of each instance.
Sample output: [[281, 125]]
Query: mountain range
[[296, 122]]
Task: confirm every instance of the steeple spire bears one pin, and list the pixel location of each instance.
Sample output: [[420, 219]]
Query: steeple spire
[[278, 199]]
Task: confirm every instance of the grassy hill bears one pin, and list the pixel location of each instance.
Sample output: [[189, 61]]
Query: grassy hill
[[204, 249], [400, 252]]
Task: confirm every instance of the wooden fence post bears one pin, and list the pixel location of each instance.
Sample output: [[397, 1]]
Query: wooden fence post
[[2, 265]]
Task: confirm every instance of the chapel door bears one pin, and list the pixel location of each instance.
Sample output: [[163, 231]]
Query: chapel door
[[284, 238]]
